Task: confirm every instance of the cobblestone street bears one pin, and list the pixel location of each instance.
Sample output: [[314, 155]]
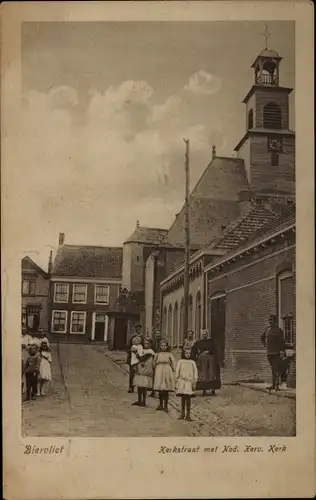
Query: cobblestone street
[[89, 398]]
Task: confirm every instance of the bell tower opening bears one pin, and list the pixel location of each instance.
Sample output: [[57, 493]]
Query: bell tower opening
[[272, 116]]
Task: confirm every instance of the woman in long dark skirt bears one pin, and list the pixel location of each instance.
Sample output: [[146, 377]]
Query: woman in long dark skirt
[[205, 354]]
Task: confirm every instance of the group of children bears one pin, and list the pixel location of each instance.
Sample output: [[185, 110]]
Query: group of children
[[36, 365], [160, 372]]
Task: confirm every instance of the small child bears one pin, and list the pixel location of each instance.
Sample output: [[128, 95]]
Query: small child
[[31, 371], [45, 372], [136, 350], [164, 382], [144, 373], [186, 379], [133, 359]]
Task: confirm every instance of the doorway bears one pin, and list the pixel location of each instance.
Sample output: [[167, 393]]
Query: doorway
[[120, 334], [99, 327], [218, 314]]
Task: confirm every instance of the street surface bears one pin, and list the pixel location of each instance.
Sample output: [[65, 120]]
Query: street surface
[[89, 399]]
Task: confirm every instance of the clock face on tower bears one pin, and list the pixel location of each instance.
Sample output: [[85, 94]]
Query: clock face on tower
[[275, 144]]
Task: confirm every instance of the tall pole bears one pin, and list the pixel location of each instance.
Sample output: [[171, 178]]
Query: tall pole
[[187, 239]]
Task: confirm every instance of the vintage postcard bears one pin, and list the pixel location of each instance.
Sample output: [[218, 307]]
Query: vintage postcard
[[157, 239]]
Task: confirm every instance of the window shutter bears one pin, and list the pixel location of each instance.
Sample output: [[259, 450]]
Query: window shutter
[[287, 296]]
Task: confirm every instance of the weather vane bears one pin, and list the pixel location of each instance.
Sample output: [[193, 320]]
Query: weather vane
[[266, 34]]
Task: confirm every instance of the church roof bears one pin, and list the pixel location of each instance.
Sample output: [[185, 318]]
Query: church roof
[[149, 235], [269, 53], [88, 262], [213, 202], [244, 227]]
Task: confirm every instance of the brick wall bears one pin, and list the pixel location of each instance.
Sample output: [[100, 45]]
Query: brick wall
[[251, 295]]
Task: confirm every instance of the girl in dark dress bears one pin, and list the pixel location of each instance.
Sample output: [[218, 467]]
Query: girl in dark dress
[[205, 354]]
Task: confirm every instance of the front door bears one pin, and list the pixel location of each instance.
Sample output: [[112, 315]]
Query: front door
[[120, 334], [218, 313], [100, 327]]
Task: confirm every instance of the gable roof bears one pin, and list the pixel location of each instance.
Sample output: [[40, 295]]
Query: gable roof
[[244, 227], [88, 262], [214, 201], [149, 235], [28, 264], [206, 218]]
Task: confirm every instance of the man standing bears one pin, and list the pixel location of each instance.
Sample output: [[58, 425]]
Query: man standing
[[273, 340], [137, 333]]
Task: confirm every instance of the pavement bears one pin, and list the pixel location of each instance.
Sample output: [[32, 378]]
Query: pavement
[[89, 398]]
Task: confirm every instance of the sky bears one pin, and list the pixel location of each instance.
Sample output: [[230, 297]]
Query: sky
[[106, 106]]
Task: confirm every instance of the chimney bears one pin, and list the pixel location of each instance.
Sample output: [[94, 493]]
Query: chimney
[[213, 152], [61, 239], [50, 262], [137, 223]]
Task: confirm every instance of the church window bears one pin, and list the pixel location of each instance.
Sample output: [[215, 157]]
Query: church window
[[272, 117], [250, 119]]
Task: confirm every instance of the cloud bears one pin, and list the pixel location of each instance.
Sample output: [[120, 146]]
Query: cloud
[[94, 179], [203, 83]]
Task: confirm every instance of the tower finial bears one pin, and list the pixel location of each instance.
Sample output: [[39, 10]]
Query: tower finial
[[266, 35]]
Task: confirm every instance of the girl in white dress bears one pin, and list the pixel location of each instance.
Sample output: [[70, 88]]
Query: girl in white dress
[[164, 368], [143, 379], [186, 379], [45, 367]]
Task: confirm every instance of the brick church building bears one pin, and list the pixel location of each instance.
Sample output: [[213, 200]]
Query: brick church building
[[244, 269]]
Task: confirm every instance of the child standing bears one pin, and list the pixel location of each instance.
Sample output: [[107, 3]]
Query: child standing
[[186, 379], [45, 372], [164, 382], [144, 373], [136, 348], [31, 370]]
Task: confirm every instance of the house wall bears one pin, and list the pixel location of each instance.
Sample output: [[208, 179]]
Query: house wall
[[89, 307], [40, 297], [251, 296], [127, 266]]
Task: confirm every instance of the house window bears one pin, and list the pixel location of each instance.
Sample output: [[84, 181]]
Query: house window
[[286, 305], [24, 318], [79, 294], [274, 159], [101, 294], [28, 286], [61, 292], [78, 322], [59, 322]]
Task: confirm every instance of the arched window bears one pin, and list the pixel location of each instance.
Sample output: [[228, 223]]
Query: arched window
[[175, 339], [198, 315], [169, 325], [286, 304], [272, 117], [164, 320], [190, 314], [250, 118], [181, 332]]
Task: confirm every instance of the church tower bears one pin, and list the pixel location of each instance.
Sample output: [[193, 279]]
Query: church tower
[[268, 146]]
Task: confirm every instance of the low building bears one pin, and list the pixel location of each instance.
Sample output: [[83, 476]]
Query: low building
[[255, 278], [34, 291], [85, 284]]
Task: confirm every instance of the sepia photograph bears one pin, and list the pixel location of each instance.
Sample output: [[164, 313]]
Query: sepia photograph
[[158, 281]]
